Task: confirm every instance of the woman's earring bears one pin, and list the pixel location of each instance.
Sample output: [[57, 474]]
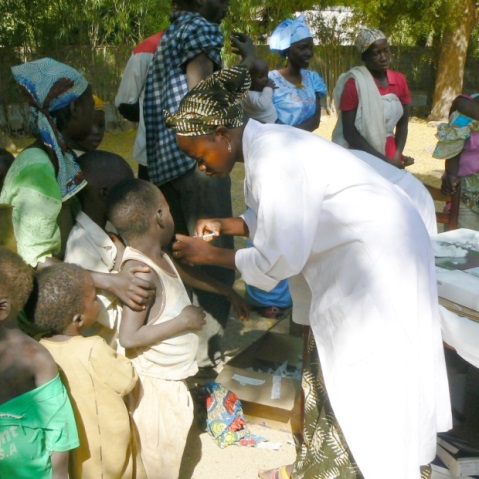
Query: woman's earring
[[229, 145]]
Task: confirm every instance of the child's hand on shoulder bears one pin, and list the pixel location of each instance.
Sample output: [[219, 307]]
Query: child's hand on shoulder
[[193, 317]]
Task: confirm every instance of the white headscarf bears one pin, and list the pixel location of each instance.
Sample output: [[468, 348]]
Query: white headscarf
[[288, 32]]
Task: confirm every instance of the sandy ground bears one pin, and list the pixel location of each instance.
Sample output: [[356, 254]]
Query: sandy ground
[[203, 459]]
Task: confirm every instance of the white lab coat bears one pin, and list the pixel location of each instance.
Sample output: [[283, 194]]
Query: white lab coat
[[360, 246]]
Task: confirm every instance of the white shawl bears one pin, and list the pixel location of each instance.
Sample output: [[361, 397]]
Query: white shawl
[[370, 114]]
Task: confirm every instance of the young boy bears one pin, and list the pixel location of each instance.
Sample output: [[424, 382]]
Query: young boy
[[160, 341], [258, 103], [96, 377], [97, 132], [89, 244], [37, 425]]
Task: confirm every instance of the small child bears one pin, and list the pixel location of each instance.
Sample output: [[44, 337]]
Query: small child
[[89, 245], [258, 103], [161, 340], [37, 425], [96, 377], [97, 132], [6, 160]]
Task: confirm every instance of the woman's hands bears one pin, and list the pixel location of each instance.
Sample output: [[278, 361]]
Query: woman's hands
[[193, 250], [242, 45], [208, 227]]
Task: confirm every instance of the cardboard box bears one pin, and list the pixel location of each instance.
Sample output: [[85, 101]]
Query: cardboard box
[[273, 401], [457, 266]]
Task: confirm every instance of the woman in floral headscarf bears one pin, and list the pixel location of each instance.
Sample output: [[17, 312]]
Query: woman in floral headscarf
[[372, 103], [42, 182]]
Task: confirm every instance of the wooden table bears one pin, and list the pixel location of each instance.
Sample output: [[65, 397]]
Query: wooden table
[[459, 309]]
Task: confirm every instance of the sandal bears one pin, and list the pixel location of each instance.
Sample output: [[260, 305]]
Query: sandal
[[272, 312], [279, 473]]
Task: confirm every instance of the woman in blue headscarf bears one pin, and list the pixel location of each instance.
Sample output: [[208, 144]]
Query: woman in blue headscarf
[[44, 179], [42, 182], [296, 99], [299, 90]]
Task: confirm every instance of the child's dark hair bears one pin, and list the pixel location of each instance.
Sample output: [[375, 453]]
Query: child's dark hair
[[58, 296], [130, 206], [16, 278]]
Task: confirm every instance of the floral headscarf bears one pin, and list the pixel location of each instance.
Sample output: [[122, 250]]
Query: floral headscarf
[[367, 37], [50, 86]]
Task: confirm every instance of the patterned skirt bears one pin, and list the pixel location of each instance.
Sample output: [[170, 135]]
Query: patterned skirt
[[324, 452]]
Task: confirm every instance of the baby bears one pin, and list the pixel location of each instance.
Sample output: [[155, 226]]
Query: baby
[[37, 425], [96, 377], [258, 103]]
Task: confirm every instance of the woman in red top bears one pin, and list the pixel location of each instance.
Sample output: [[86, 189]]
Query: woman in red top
[[372, 103]]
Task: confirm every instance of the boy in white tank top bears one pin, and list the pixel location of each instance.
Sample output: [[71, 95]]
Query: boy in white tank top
[[161, 340]]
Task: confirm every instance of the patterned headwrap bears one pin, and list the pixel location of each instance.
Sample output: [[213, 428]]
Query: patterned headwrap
[[367, 37], [288, 32], [49, 86], [213, 102]]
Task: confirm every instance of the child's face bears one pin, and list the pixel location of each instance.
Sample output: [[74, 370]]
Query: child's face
[[80, 125], [259, 77], [91, 306], [93, 140]]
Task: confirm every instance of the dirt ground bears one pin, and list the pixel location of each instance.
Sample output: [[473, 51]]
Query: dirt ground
[[203, 459]]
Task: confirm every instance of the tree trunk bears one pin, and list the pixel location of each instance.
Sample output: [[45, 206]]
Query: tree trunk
[[452, 59]]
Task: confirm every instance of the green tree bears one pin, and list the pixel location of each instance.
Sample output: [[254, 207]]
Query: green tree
[[52, 23]]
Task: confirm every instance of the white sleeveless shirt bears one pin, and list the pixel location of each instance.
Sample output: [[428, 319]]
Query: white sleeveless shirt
[[172, 358]]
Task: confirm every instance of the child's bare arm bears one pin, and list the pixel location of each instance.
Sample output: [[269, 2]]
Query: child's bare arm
[[59, 465], [198, 279], [43, 365], [134, 332]]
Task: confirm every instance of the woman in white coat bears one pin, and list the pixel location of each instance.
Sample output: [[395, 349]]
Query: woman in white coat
[[360, 247]]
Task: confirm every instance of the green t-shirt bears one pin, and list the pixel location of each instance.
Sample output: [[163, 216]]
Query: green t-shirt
[[32, 426]]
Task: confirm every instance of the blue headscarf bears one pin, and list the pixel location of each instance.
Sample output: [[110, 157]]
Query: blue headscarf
[[49, 86], [288, 32]]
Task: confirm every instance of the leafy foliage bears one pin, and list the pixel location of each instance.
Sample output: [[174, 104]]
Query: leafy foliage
[[42, 23]]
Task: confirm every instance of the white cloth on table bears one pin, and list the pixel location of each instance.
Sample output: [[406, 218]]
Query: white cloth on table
[[365, 253], [462, 334]]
